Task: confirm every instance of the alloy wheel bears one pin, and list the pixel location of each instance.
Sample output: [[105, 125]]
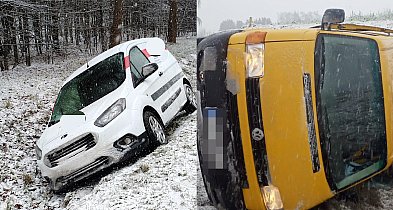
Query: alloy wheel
[[157, 130]]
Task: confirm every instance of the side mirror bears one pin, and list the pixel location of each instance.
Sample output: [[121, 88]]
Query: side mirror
[[155, 46], [332, 16], [148, 69]]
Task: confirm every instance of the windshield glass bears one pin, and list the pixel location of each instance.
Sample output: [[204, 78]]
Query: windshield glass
[[88, 87], [350, 108]]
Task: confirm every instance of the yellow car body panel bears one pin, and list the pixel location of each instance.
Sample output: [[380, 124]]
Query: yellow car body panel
[[285, 125], [386, 58], [288, 54]]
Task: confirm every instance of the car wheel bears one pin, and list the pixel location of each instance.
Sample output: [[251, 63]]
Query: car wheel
[[154, 128], [191, 104]]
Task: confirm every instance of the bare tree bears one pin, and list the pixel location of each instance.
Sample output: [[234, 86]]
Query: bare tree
[[172, 21], [115, 37]]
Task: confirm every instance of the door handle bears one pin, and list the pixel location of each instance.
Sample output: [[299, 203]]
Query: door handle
[[160, 73]]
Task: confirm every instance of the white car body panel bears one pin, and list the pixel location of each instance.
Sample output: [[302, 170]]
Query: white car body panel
[[160, 90]]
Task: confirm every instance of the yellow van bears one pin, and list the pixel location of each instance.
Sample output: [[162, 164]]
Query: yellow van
[[288, 118]]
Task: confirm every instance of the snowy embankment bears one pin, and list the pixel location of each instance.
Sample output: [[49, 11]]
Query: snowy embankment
[[162, 179]]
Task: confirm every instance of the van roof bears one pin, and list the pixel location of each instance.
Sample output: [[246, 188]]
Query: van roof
[[290, 34], [365, 29], [116, 49]]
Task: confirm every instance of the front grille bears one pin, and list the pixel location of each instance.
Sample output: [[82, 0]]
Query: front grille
[[84, 171], [256, 130], [74, 147]]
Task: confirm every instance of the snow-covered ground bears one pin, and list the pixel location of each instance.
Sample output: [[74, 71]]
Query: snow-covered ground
[[162, 179]]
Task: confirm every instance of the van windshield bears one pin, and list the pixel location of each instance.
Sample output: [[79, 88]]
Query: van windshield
[[350, 108], [88, 87]]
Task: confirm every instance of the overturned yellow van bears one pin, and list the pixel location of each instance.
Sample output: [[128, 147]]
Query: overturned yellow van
[[288, 118]]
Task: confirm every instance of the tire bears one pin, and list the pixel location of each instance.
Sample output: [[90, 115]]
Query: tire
[[191, 104], [155, 128]]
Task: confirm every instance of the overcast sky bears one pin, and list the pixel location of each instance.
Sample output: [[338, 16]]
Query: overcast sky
[[213, 12]]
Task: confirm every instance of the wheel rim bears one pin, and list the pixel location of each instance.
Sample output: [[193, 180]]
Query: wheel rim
[[157, 129], [190, 95]]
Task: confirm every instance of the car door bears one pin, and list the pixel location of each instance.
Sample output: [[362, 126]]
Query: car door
[[171, 75], [154, 84], [174, 75]]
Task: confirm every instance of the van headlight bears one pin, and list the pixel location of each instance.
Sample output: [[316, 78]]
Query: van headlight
[[272, 198], [255, 60], [111, 113]]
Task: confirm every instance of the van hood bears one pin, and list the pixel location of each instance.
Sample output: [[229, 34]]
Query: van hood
[[67, 125], [74, 125]]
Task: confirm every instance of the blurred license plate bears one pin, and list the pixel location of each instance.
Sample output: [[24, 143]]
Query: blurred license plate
[[213, 147]]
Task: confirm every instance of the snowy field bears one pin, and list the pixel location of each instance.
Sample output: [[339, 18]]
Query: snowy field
[[162, 179]]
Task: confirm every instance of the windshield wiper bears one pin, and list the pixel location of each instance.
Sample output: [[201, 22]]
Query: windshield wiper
[[53, 122]]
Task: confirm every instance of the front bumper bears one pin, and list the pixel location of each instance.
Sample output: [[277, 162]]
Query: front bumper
[[219, 140], [76, 162]]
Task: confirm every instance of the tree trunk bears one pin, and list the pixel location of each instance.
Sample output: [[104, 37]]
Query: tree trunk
[[55, 26], [172, 21], [86, 31], [66, 28], [115, 37], [71, 25], [7, 23], [100, 25], [26, 39], [77, 26], [37, 33]]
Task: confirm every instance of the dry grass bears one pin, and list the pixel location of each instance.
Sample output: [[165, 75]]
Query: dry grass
[[27, 179], [8, 104], [144, 168]]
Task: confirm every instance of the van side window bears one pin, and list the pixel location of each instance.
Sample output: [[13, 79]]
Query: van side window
[[138, 60]]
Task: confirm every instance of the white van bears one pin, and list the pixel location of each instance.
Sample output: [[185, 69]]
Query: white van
[[117, 103]]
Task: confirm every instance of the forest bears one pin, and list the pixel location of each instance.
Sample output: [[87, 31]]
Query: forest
[[48, 28]]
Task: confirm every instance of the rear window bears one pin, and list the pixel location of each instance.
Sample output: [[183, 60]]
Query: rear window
[[89, 86]]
